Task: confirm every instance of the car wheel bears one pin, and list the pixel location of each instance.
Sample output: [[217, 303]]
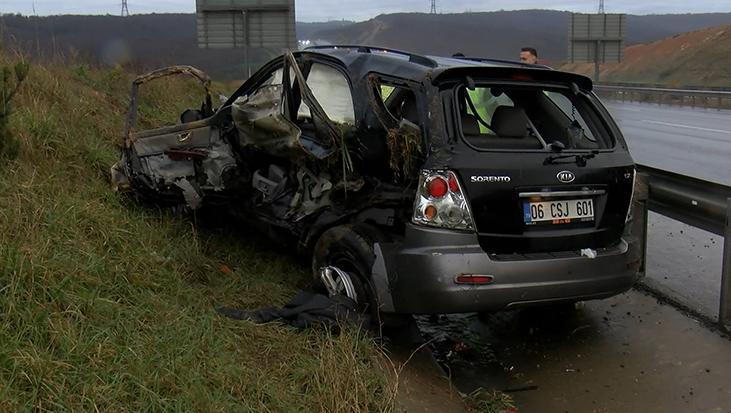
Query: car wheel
[[341, 264]]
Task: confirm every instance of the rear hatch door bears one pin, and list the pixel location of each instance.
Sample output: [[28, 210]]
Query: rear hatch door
[[544, 167]]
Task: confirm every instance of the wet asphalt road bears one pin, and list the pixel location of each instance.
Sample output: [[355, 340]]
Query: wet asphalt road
[[624, 354], [695, 142], [683, 261]]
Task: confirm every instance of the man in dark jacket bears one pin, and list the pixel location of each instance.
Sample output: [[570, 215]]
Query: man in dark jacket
[[529, 55]]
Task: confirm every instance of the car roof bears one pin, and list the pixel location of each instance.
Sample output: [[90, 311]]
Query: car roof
[[362, 60]]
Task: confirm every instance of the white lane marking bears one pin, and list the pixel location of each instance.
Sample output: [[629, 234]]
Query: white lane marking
[[677, 125]]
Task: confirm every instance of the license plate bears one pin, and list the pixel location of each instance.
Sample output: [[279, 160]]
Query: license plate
[[564, 211]]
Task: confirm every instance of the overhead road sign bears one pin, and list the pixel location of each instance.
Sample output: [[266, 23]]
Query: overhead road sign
[[246, 23], [596, 38]]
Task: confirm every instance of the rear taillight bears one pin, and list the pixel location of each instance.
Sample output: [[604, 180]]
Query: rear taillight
[[440, 201], [436, 187]]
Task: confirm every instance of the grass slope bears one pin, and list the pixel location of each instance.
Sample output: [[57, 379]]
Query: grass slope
[[698, 58], [106, 306]]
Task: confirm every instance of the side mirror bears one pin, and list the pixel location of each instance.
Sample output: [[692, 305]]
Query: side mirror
[[191, 115]]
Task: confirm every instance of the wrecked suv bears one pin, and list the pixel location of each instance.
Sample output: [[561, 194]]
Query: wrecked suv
[[416, 184]]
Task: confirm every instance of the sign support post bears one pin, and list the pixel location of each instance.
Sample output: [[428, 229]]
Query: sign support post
[[596, 61]]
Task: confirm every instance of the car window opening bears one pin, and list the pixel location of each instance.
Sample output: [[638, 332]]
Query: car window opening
[[516, 117], [400, 103], [332, 91], [396, 109], [317, 129]]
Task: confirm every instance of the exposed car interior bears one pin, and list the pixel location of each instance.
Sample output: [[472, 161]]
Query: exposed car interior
[[507, 117]]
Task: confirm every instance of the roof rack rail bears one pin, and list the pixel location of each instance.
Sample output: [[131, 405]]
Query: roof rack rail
[[488, 60], [413, 57]]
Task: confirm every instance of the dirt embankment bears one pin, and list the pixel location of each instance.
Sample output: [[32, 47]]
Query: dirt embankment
[[698, 58]]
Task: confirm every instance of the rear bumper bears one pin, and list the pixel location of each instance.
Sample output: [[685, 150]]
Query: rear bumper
[[417, 276]]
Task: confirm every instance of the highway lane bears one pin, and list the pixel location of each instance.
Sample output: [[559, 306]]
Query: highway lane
[[682, 261], [695, 142]]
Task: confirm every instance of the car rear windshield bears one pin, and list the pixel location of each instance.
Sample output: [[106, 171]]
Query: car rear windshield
[[519, 117]]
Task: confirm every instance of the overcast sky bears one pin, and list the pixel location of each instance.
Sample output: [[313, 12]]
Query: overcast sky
[[322, 10]]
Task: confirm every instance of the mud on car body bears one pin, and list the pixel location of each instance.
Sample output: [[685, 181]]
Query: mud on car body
[[416, 184]]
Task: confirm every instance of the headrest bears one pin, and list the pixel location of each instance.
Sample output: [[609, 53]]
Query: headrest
[[470, 125], [510, 122]]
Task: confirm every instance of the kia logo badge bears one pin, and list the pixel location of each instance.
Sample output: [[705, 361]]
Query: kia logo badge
[[566, 177]]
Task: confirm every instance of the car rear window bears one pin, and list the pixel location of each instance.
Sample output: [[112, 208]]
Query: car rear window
[[520, 117]]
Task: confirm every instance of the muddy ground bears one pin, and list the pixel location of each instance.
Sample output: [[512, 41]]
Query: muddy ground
[[630, 353]]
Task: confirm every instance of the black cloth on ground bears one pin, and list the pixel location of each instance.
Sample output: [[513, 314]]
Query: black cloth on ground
[[304, 310]]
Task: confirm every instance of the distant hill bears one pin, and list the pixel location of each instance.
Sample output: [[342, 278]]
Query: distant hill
[[308, 31], [698, 58], [147, 41], [142, 41], [501, 34]]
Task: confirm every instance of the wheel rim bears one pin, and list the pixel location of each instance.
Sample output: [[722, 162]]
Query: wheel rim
[[338, 282]]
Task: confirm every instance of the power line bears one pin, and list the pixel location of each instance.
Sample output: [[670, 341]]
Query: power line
[[433, 7], [125, 10], [601, 6]]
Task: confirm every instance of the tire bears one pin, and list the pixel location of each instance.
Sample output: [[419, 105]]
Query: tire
[[350, 249]]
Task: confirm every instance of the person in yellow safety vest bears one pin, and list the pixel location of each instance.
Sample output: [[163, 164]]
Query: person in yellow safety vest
[[485, 101], [480, 97]]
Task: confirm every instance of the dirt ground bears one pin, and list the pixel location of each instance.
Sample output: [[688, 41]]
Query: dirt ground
[[423, 386], [695, 58]]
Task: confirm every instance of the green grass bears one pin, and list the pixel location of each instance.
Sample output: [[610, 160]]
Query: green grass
[[108, 306], [489, 401]]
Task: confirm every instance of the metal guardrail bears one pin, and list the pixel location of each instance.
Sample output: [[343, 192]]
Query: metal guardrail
[[699, 203], [719, 98], [664, 86]]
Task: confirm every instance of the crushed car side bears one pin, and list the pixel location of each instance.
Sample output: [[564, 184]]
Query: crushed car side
[[362, 161], [275, 153]]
